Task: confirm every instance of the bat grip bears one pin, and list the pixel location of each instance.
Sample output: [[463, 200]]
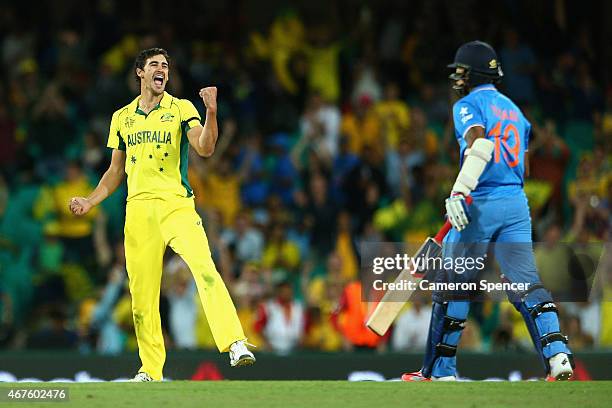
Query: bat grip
[[447, 225]]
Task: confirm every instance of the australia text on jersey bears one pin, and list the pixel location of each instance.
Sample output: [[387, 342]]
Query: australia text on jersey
[[148, 136]]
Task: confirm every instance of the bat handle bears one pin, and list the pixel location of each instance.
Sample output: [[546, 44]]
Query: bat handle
[[447, 225]]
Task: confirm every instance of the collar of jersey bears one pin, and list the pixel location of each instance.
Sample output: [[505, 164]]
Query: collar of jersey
[[165, 102], [485, 87]]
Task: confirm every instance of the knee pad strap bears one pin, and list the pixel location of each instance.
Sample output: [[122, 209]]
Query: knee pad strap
[[547, 307], [552, 337], [446, 350], [453, 324]]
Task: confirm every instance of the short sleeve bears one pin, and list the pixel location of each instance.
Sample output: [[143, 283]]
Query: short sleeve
[[189, 114], [527, 134], [115, 141], [466, 116]]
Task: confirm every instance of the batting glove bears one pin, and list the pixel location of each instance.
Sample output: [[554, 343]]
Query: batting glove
[[457, 211]]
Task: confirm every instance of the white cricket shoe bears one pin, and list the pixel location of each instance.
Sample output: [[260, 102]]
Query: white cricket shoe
[[240, 354], [560, 368], [142, 377], [445, 378]]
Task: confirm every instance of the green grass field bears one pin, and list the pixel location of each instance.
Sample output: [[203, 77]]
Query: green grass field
[[323, 394]]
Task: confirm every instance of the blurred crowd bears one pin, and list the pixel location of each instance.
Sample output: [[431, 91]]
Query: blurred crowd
[[334, 131]]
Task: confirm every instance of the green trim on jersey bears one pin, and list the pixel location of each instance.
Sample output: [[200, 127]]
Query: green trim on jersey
[[184, 159], [121, 145], [141, 112]]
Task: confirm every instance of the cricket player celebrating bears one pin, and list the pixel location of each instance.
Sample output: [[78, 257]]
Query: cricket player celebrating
[[493, 135], [150, 138]]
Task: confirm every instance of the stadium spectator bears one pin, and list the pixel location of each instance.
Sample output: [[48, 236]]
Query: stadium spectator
[[75, 233], [345, 247], [322, 289], [549, 157], [361, 127], [246, 241], [320, 126], [280, 254], [254, 187], [364, 187], [248, 291], [519, 64], [410, 328], [348, 319], [321, 216], [280, 320], [50, 128], [110, 337], [394, 115], [400, 164], [280, 168], [342, 165], [323, 55], [553, 262], [222, 189], [180, 290]]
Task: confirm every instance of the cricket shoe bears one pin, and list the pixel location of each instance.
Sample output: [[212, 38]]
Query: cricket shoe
[[142, 377], [560, 368], [418, 376], [240, 354]]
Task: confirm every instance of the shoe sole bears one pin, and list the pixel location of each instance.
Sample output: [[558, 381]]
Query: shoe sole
[[244, 361]]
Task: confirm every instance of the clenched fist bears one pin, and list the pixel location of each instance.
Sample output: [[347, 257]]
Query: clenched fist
[[79, 205], [209, 97]]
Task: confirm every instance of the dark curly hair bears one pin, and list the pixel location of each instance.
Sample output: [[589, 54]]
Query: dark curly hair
[[144, 55]]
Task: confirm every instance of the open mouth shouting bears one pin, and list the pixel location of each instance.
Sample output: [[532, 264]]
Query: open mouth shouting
[[158, 80]]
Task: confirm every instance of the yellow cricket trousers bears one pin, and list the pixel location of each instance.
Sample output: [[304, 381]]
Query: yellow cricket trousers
[[150, 226]]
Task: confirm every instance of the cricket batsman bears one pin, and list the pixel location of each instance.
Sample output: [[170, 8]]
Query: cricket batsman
[[493, 136], [150, 138]]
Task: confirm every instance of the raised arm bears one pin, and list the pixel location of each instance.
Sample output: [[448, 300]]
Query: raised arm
[[111, 179], [204, 138]]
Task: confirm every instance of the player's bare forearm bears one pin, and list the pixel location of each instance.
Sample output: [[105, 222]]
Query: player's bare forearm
[[110, 181], [210, 133], [203, 139]]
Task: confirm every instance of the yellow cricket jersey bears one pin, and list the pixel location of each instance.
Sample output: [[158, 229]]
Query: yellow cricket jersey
[[156, 147]]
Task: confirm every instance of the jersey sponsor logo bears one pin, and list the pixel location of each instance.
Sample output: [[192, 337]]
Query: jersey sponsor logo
[[148, 136], [167, 117], [465, 115]]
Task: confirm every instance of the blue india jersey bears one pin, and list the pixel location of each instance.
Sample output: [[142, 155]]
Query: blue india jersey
[[506, 127]]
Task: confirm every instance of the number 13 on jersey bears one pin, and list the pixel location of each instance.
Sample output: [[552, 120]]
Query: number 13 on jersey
[[509, 151]]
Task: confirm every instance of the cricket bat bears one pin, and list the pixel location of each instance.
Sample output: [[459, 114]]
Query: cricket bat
[[393, 302]]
